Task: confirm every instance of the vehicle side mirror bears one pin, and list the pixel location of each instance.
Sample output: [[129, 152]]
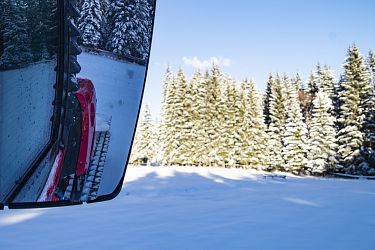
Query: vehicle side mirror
[[71, 83]]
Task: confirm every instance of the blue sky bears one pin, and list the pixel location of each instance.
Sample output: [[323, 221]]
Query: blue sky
[[252, 38]]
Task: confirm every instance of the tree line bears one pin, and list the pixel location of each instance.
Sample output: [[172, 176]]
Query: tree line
[[28, 32], [120, 26], [315, 127]]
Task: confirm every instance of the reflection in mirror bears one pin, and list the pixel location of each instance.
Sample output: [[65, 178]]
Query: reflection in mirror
[[28, 54], [69, 104], [115, 56]]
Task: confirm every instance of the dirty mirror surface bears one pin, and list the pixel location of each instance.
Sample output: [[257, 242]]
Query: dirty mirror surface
[[115, 60], [27, 76], [47, 154]]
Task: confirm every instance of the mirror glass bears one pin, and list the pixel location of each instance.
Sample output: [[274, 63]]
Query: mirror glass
[[115, 59], [28, 58], [69, 103]]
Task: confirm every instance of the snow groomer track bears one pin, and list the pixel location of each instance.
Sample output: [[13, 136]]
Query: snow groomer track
[[97, 161]]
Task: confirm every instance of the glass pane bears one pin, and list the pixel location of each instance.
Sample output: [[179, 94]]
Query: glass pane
[[28, 51]]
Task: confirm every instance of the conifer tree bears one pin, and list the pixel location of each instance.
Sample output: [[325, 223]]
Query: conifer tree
[[256, 138], [232, 116], [17, 51], [144, 150], [129, 28], [168, 128], [187, 136], [312, 83], [278, 116], [267, 97], [223, 145], [311, 90], [179, 118], [354, 97], [42, 24], [322, 139], [295, 147], [200, 122], [371, 66], [240, 144], [213, 103], [327, 82], [90, 23]]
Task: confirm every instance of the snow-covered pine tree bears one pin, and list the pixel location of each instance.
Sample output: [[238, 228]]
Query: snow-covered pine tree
[[90, 23], [355, 99], [16, 52], [322, 136], [295, 142], [276, 129], [129, 28], [267, 97]]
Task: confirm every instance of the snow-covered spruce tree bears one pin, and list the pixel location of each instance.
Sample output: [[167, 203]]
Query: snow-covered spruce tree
[[267, 97], [90, 23], [368, 149], [355, 99], [224, 145], [311, 89], [16, 52], [231, 122], [129, 29], [239, 154], [168, 129], [313, 83], [327, 81], [276, 129], [371, 66], [179, 118], [295, 141], [42, 29], [322, 136], [213, 126], [187, 135], [144, 150], [256, 137], [198, 107]]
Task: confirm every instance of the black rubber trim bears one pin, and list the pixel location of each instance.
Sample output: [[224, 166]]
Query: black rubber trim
[[42, 204], [117, 190]]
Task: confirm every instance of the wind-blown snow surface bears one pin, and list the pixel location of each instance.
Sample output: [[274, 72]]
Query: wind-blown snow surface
[[205, 208]]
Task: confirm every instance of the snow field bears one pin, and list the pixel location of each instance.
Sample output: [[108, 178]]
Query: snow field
[[205, 208]]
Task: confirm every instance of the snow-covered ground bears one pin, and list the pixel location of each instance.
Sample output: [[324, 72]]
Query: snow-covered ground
[[205, 208]]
